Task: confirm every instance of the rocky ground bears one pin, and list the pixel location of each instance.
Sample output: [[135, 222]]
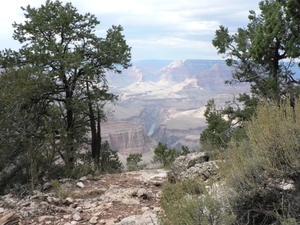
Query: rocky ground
[[127, 198]]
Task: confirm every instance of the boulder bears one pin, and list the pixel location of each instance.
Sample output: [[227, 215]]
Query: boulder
[[193, 165]]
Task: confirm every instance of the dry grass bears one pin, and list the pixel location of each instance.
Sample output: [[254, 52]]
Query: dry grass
[[256, 167]]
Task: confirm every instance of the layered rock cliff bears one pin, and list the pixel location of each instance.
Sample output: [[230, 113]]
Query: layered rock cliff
[[178, 137], [126, 137]]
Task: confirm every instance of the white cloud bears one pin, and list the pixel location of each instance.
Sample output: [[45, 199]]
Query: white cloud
[[164, 27]]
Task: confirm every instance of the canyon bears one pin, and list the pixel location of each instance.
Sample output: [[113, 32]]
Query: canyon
[[164, 101]]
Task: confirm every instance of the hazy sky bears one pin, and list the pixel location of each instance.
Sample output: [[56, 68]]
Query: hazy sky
[[155, 29]]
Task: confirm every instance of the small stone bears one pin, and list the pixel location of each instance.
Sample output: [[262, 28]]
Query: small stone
[[67, 217], [157, 209], [46, 186], [102, 221], [110, 222], [84, 178], [117, 220], [77, 217], [93, 220], [74, 205], [49, 199], [45, 218], [144, 209], [287, 187], [33, 205], [80, 184], [97, 214], [107, 206], [56, 200], [79, 209], [69, 200], [87, 204]]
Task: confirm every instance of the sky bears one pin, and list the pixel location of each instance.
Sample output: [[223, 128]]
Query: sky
[[154, 29]]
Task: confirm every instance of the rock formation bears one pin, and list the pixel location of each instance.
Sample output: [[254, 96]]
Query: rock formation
[[127, 198], [193, 165], [126, 137]]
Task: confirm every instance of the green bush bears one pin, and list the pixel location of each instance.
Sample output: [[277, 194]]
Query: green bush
[[60, 190], [164, 155], [109, 160], [259, 168], [133, 161], [189, 203], [185, 150], [218, 131]]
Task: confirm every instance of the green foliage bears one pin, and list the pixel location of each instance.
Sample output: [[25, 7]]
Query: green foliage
[[53, 89], [164, 155], [188, 202], [109, 160], [260, 169], [185, 150], [257, 52], [133, 160], [26, 143], [240, 114], [218, 131], [59, 189], [262, 55], [288, 221]]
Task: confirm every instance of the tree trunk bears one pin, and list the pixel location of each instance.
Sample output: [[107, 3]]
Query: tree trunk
[[99, 139], [94, 135], [95, 131]]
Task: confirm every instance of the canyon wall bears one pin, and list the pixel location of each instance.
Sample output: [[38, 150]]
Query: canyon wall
[[177, 137], [165, 100], [126, 137]]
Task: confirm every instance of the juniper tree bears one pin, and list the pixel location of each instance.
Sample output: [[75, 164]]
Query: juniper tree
[[65, 62]]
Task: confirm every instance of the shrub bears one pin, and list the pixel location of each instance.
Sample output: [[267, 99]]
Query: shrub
[[109, 159], [164, 155], [188, 202], [133, 160], [59, 189], [185, 150], [218, 128], [264, 170]]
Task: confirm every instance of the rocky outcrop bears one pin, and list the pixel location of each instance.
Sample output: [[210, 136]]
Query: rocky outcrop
[[126, 137], [193, 165], [127, 198], [130, 198]]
